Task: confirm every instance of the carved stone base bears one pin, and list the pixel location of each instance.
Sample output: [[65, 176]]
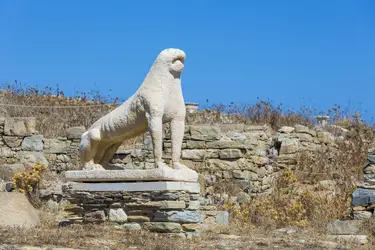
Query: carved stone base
[[157, 174]]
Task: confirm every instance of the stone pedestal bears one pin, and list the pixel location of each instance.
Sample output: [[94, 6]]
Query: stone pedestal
[[157, 206]]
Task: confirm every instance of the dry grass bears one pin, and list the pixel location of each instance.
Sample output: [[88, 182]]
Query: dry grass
[[298, 199], [56, 112]]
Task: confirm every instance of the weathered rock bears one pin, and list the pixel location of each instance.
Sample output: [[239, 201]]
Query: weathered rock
[[165, 196], [363, 196], [19, 126], [191, 227], [131, 226], [359, 208], [325, 137], [12, 141], [235, 136], [117, 215], [162, 227], [55, 146], [227, 127], [205, 132], [222, 218], [29, 159], [239, 174], [259, 160], [138, 218], [75, 132], [286, 129], [199, 154], [6, 152], [289, 146], [304, 129], [193, 205], [62, 158], [33, 143], [94, 217], [178, 216], [222, 144], [195, 144], [230, 154], [16, 211], [345, 227], [261, 172], [362, 215]]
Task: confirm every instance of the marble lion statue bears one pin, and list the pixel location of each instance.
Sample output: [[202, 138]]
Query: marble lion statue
[[158, 100]]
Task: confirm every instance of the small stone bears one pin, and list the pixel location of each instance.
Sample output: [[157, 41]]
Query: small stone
[[191, 227], [131, 226], [195, 144], [243, 198], [222, 218], [55, 146], [363, 197], [74, 209], [304, 129], [205, 132], [223, 144], [138, 218], [172, 205], [344, 227], [75, 132], [193, 205], [165, 196], [236, 136], [194, 197], [33, 143], [140, 212], [370, 169], [191, 235], [178, 216], [199, 154], [116, 205], [19, 126], [230, 153], [261, 172], [229, 127], [12, 141], [286, 129], [117, 215], [359, 208], [362, 215], [162, 227], [6, 152], [259, 160], [94, 217]]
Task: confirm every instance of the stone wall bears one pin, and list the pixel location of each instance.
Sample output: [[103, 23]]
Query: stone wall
[[228, 156], [21, 146], [363, 202]]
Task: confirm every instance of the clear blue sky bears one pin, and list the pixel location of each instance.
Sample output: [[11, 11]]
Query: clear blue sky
[[314, 53]]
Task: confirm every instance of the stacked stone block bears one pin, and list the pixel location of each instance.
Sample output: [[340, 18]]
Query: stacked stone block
[[165, 211], [363, 198]]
